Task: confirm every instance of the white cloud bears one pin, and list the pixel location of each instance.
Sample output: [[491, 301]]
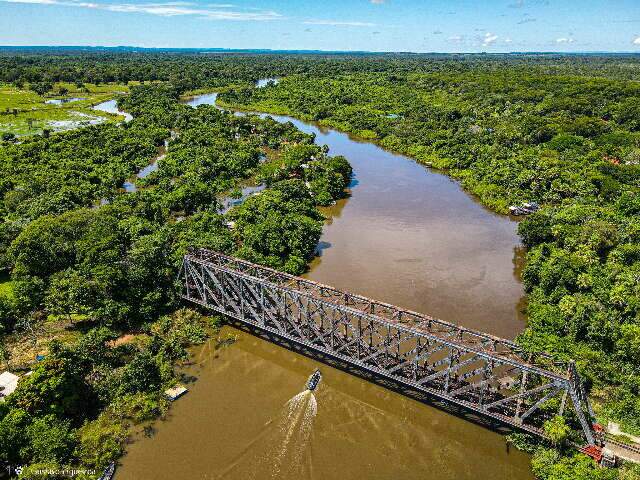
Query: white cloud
[[456, 38], [377, 2], [565, 40], [489, 38], [48, 2], [530, 3], [169, 9], [334, 23], [636, 41], [507, 40]]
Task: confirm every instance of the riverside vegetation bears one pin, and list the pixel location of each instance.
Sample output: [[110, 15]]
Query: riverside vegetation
[[571, 143], [560, 130], [93, 268]]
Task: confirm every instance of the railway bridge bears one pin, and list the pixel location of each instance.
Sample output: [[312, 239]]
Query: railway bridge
[[485, 374]]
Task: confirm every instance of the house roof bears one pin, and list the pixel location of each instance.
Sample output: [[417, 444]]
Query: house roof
[[8, 383]]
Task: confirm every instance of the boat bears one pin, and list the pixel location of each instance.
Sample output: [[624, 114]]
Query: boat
[[314, 380], [175, 392], [108, 472], [524, 209]]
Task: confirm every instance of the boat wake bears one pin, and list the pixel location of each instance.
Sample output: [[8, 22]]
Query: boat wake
[[282, 450]]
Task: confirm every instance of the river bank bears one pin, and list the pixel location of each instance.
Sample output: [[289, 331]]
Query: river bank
[[397, 238], [442, 266]]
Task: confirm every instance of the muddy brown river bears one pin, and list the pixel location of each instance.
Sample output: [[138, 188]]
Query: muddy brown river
[[407, 236]]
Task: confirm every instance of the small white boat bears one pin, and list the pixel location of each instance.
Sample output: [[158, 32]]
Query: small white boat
[[314, 380], [524, 209], [175, 392], [108, 472]]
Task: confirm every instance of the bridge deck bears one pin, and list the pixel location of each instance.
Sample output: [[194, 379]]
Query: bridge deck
[[487, 374]]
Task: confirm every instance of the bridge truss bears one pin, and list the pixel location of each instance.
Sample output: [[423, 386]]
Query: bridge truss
[[485, 374]]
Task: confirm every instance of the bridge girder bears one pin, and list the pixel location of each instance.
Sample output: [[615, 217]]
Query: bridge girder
[[481, 372]]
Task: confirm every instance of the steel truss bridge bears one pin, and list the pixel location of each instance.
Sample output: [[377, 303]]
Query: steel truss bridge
[[485, 374]]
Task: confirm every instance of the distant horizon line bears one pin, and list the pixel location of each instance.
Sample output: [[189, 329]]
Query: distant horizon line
[[309, 51]]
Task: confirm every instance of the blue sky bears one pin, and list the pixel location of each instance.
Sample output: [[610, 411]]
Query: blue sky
[[373, 25]]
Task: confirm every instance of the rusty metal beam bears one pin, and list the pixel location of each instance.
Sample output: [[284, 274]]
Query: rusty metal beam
[[395, 343]]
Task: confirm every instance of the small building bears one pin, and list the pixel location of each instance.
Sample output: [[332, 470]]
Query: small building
[[609, 458], [8, 383]]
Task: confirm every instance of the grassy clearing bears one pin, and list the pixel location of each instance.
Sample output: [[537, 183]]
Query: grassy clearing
[[24, 112], [24, 346], [6, 287]]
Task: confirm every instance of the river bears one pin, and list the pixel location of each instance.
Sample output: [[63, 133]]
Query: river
[[111, 106], [407, 236]]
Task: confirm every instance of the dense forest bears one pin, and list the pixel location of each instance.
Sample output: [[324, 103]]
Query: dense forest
[[192, 70], [100, 264], [569, 143], [563, 131]]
